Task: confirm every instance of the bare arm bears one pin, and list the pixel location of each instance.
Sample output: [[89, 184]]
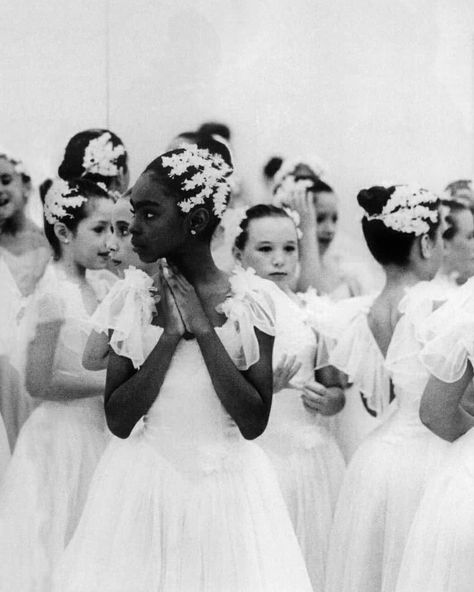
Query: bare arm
[[441, 409], [96, 352], [44, 383]]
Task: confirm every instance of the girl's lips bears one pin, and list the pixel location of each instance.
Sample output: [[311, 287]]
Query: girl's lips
[[116, 262], [4, 201]]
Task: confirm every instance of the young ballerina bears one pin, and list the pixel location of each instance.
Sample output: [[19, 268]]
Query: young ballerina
[[323, 266], [445, 517], [379, 351], [46, 482], [458, 260], [305, 455], [184, 501], [128, 265], [24, 253]]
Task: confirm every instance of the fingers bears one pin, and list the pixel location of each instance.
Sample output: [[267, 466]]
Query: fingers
[[315, 388]]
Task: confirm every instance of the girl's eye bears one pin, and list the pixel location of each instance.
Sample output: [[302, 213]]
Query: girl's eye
[[6, 179], [149, 216], [124, 232], [99, 229], [290, 249], [265, 249]]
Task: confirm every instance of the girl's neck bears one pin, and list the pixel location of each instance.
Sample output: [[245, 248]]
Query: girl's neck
[[398, 279], [196, 264], [74, 271], [14, 225]]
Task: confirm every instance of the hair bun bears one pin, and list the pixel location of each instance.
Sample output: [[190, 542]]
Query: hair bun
[[373, 200]]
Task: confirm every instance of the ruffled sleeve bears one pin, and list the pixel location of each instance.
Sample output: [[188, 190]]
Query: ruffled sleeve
[[49, 300], [249, 306], [403, 356], [449, 336], [127, 311], [331, 320]]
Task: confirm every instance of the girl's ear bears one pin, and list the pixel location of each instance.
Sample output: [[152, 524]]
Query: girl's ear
[[62, 232], [426, 246], [197, 221], [237, 253]]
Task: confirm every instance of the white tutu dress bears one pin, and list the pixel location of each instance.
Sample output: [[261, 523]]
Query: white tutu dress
[[46, 482], [185, 503], [15, 403], [439, 555], [386, 477], [303, 451]]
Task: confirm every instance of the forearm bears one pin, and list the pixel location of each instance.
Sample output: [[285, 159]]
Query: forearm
[[310, 261], [127, 403], [96, 352], [67, 387], [242, 401]]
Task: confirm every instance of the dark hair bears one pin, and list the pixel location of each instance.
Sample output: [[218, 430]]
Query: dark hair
[[215, 128], [255, 213], [459, 185], [173, 186], [72, 165], [82, 187], [272, 166], [454, 208], [386, 244]]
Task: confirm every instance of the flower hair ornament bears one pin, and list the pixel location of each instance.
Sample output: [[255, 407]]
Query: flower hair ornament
[[206, 174], [100, 156], [283, 197], [59, 197], [289, 166], [407, 210], [17, 164]]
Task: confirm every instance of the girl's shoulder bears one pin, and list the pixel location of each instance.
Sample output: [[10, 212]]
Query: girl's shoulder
[[251, 299]]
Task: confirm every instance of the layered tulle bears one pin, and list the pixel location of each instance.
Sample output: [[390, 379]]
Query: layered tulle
[[302, 450], [388, 474], [185, 503]]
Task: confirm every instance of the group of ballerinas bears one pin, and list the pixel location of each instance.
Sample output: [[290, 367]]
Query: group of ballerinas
[[172, 426]]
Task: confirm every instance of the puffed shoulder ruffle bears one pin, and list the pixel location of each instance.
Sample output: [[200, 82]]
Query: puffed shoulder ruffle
[[250, 305], [127, 312], [402, 360], [448, 335]]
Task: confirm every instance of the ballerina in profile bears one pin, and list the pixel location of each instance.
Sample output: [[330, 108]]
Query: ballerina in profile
[[182, 500]]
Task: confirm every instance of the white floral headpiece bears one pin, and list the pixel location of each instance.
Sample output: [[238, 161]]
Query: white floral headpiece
[[406, 210], [16, 162], [283, 193], [210, 177], [289, 165], [100, 156], [59, 197]]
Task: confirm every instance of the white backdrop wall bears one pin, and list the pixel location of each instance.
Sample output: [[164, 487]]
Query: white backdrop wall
[[382, 90]]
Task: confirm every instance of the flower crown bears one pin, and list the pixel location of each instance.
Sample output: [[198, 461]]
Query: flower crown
[[17, 164], [283, 192], [289, 165], [100, 156], [59, 197], [407, 210], [209, 179]]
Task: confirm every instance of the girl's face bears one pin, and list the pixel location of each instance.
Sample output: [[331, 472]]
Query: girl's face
[[158, 228], [271, 249], [119, 242], [327, 214], [13, 192], [459, 251], [88, 242]]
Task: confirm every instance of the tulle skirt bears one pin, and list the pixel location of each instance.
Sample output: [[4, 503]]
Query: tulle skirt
[[439, 555], [381, 491], [4, 449], [44, 490], [154, 524], [310, 468]]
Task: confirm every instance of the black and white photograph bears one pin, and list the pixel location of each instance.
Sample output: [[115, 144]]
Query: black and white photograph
[[237, 296]]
